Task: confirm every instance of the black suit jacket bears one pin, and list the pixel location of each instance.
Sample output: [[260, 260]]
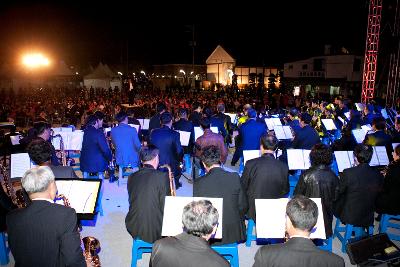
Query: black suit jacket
[[63, 172], [185, 250], [296, 252], [388, 201], [187, 126], [380, 138], [169, 144], [358, 189], [306, 138], [147, 189], [44, 234], [264, 178], [219, 183], [154, 122]]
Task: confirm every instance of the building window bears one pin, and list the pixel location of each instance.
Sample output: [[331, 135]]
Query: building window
[[304, 67], [357, 65]]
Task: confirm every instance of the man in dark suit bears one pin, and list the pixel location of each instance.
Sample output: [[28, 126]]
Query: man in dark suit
[[32, 239], [147, 189], [40, 153], [95, 153], [190, 248], [222, 184], [227, 122], [196, 115], [358, 189], [299, 250], [215, 121], [155, 120], [265, 177], [379, 137], [169, 144], [251, 131], [185, 125], [307, 136]]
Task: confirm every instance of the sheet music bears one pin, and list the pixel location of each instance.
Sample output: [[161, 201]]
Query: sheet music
[[184, 137], [173, 209], [15, 139], [298, 159], [250, 154], [66, 129], [271, 218], [329, 124], [137, 127], [381, 155], [20, 163], [280, 133], [106, 130], [81, 194], [359, 135], [347, 114], [306, 158], [359, 106], [343, 159], [366, 127], [277, 121], [214, 129], [288, 132], [232, 116], [56, 129], [341, 120], [74, 140], [146, 124], [270, 123]]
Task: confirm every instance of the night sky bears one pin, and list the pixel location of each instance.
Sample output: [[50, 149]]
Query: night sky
[[82, 32]]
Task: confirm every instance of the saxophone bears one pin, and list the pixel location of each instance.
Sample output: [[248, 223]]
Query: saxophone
[[91, 245], [17, 197], [171, 179], [62, 149]]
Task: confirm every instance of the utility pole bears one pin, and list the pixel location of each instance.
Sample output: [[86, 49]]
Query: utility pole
[[193, 45]]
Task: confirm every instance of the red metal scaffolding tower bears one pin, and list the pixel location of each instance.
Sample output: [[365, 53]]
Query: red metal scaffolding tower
[[371, 50]]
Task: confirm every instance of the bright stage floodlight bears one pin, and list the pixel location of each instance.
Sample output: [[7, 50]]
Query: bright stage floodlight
[[35, 60]]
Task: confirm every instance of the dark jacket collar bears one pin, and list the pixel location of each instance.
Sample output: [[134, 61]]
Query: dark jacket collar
[[192, 241], [268, 155], [148, 166]]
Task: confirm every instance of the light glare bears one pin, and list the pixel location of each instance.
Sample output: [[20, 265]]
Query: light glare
[[35, 60]]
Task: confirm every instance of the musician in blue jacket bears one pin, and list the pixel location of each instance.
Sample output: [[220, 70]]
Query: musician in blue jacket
[[126, 142], [95, 153]]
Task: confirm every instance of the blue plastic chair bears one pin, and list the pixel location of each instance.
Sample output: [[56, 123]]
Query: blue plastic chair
[[250, 236], [293, 179], [138, 248], [347, 231], [229, 252], [4, 250], [123, 169], [188, 163], [326, 244], [241, 166], [385, 224]]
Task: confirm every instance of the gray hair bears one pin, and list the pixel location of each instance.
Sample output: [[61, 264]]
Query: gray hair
[[199, 218], [37, 179]]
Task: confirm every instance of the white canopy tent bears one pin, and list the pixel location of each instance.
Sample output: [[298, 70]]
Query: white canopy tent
[[102, 77]]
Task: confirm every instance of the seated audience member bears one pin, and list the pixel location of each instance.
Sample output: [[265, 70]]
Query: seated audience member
[[307, 137], [299, 250], [388, 201], [44, 233], [320, 182], [147, 189], [190, 248], [359, 187], [223, 184], [265, 177], [40, 153]]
